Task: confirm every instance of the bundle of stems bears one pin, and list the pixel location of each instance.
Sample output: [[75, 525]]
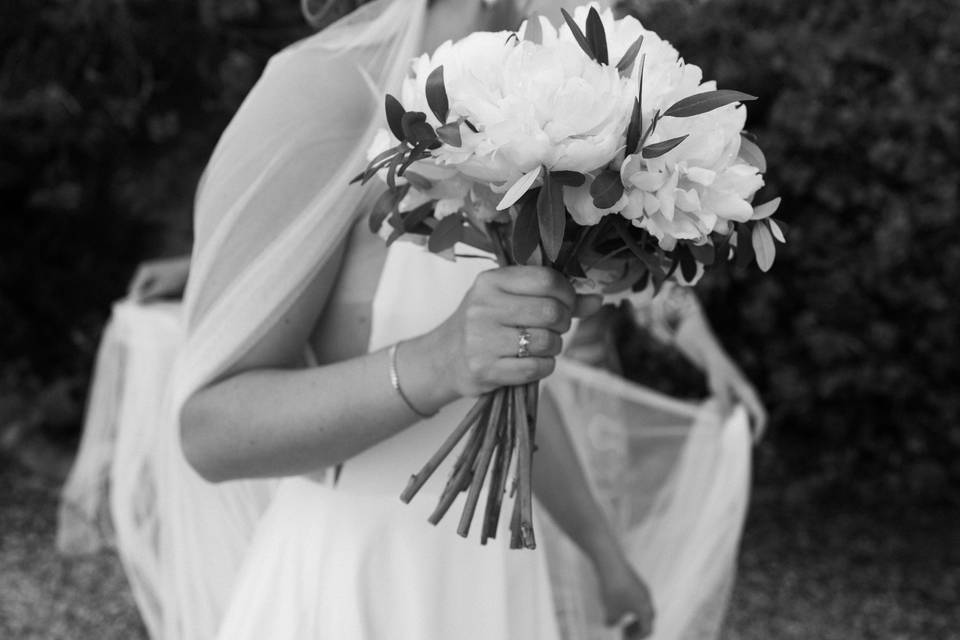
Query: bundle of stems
[[499, 431]]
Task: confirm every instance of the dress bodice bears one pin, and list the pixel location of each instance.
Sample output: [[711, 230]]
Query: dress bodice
[[417, 291]]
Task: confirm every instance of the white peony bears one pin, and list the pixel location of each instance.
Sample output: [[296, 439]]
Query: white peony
[[533, 104]]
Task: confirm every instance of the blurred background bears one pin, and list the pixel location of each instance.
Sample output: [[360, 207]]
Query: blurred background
[[110, 108]]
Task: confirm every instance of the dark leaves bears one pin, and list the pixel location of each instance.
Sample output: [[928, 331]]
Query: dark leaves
[[596, 37], [630, 56], [447, 233], [450, 134], [578, 34], [660, 148], [526, 231], [633, 131], [569, 178], [551, 215], [437, 95], [395, 113], [703, 102], [606, 189]]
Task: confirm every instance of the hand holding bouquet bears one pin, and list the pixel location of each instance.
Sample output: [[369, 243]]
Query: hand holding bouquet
[[591, 148]]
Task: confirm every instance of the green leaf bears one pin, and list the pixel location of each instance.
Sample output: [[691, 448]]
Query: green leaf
[[633, 131], [450, 134], [703, 102], [578, 34], [656, 150], [630, 56], [551, 215], [597, 37], [384, 205], [526, 231], [395, 113], [420, 182], [520, 187], [447, 233], [752, 154], [414, 218], [688, 264], [763, 246], [437, 95], [569, 178], [607, 188], [705, 254], [776, 230]]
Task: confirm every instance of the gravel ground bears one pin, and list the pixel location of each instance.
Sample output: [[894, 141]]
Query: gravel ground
[[807, 572]]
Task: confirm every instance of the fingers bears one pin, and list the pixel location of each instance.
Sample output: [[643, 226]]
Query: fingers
[[517, 371], [531, 281], [543, 342], [141, 286], [756, 411]]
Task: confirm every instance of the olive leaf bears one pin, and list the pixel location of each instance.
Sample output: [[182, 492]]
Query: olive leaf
[[597, 37], [551, 216], [630, 56], [633, 130], [569, 178], [703, 102], [437, 95], [656, 150], [526, 231], [578, 34], [395, 113], [606, 190], [447, 233]]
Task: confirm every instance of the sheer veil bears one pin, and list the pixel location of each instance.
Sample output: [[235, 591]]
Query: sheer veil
[[273, 205]]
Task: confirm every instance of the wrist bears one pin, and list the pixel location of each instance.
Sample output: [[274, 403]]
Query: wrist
[[421, 373]]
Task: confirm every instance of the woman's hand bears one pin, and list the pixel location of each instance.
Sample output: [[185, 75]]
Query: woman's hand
[[480, 341], [161, 278], [726, 382], [626, 600], [730, 386]]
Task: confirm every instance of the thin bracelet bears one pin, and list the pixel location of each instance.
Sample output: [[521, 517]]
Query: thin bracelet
[[395, 382]]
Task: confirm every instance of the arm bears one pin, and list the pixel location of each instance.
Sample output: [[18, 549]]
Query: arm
[[266, 418], [562, 488]]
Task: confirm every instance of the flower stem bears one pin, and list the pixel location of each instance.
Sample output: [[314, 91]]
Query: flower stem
[[417, 480], [491, 427]]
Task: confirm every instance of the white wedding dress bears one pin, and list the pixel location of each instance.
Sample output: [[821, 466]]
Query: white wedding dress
[[301, 558], [351, 561]]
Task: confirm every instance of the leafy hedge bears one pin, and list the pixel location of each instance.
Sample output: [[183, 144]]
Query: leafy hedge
[[854, 337], [109, 109]]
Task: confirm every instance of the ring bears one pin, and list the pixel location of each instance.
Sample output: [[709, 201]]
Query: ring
[[523, 343]]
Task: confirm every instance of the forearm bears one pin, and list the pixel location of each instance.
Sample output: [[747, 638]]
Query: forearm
[[562, 488], [277, 422]]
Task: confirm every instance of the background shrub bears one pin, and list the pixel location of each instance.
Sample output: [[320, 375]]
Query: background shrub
[[108, 111]]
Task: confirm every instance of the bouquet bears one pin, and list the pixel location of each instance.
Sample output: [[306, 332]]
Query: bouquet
[[591, 148]]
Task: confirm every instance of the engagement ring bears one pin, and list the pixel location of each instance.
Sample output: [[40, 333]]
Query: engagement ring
[[523, 343]]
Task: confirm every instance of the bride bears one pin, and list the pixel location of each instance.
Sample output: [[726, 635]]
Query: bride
[[311, 346], [402, 342]]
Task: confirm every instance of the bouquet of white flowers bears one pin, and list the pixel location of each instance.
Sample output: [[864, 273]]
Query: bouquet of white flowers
[[592, 148]]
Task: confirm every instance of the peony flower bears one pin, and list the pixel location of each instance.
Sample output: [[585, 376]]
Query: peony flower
[[533, 104]]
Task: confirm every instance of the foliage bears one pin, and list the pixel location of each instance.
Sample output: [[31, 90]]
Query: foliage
[[853, 337], [107, 113], [109, 109]]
